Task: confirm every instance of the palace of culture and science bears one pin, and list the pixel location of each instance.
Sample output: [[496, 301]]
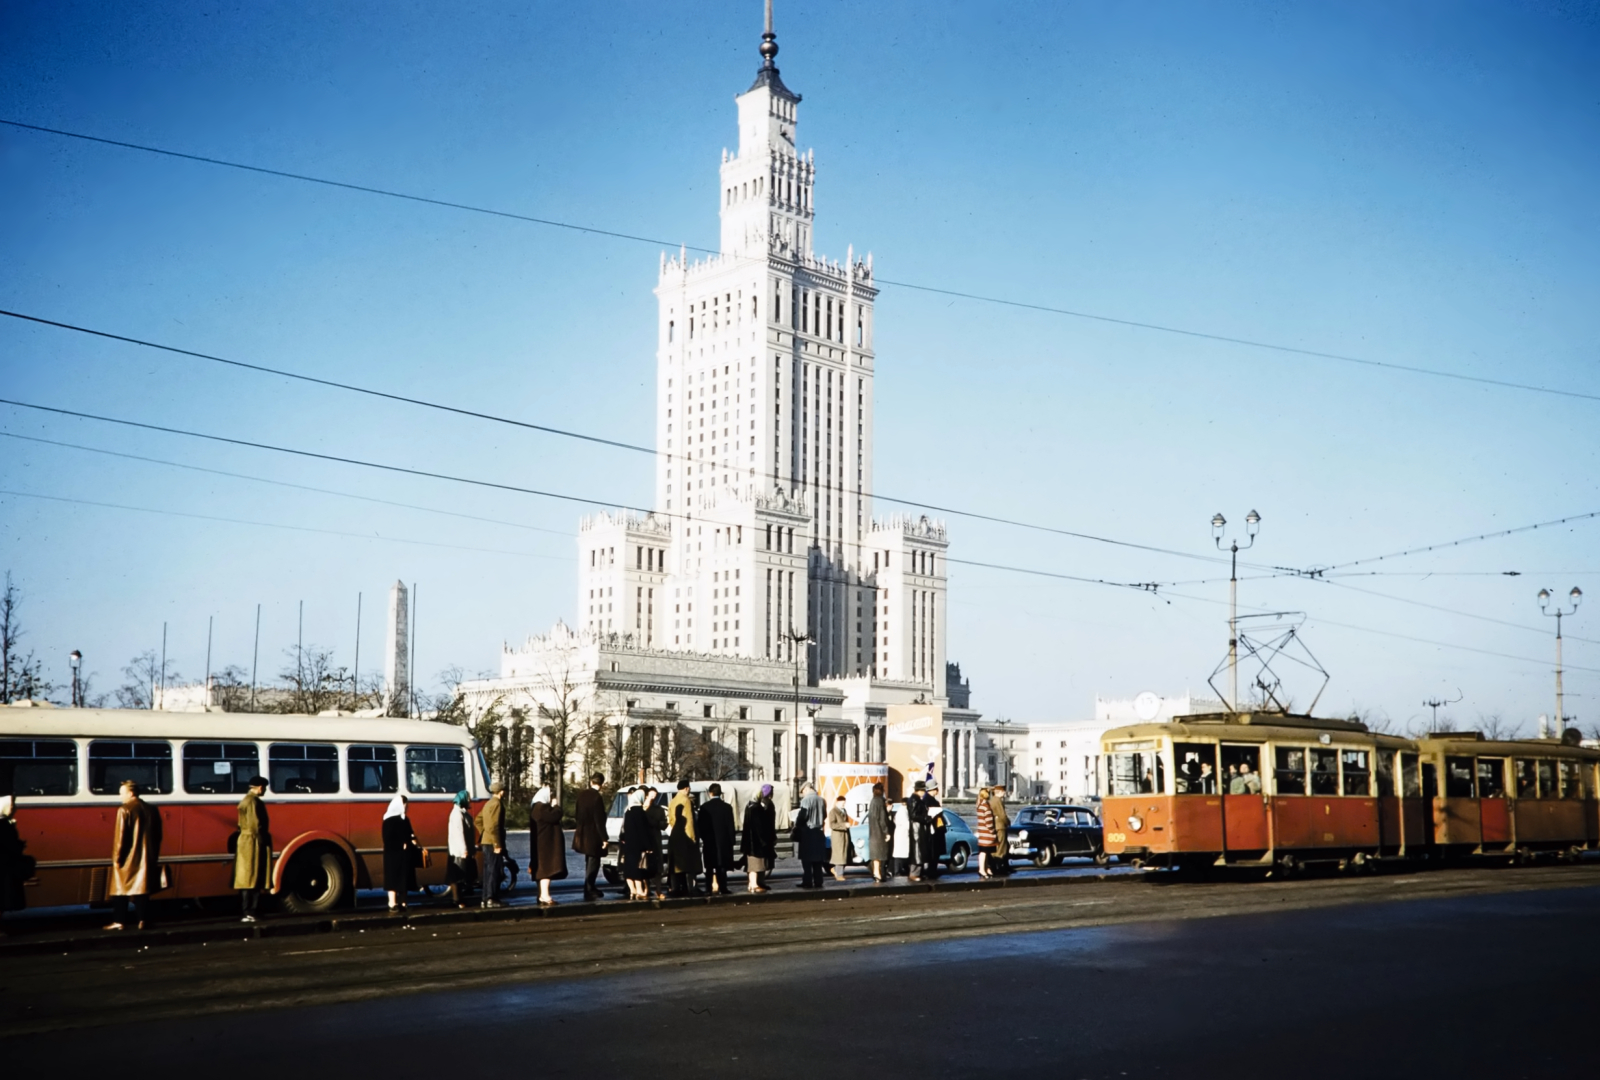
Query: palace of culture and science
[[762, 576]]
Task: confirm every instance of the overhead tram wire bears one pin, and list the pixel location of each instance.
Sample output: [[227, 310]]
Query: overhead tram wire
[[1136, 324], [618, 444]]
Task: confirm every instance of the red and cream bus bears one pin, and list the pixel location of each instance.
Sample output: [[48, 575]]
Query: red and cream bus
[[331, 779]]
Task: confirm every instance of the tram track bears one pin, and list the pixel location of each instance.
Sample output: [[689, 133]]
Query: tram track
[[52, 992]]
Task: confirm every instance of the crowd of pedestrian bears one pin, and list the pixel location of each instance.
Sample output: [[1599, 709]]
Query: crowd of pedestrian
[[666, 849]]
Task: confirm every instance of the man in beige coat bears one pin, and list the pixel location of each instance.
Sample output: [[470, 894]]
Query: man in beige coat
[[135, 858], [252, 858], [491, 822], [1002, 822]]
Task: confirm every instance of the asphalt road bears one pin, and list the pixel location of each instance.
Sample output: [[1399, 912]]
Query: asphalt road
[[1452, 973]]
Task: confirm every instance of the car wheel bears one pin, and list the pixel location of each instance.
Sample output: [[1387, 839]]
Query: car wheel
[[959, 856], [315, 882], [613, 874], [1044, 857]]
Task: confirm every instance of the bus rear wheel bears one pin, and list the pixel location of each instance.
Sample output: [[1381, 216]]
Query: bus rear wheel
[[316, 881]]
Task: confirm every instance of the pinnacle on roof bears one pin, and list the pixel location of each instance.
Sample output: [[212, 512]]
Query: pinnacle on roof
[[767, 75]]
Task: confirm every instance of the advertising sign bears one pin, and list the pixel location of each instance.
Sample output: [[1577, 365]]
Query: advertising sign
[[913, 746], [853, 780]]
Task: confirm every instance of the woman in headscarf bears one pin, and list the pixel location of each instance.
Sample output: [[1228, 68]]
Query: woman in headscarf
[[15, 865], [399, 849], [901, 848], [463, 847], [879, 830], [135, 857], [639, 841], [811, 841], [547, 851], [758, 844], [683, 850], [839, 833]]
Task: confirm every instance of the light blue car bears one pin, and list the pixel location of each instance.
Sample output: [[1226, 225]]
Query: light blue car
[[960, 842]]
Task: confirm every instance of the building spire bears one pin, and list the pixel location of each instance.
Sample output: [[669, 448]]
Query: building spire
[[769, 41], [767, 74]]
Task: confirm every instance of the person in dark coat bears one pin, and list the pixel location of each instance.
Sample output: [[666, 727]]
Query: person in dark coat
[[491, 823], [716, 829], [400, 849], [758, 844], [640, 842], [589, 833], [879, 830], [657, 810], [927, 834], [135, 858], [811, 837], [547, 854], [252, 853], [16, 865]]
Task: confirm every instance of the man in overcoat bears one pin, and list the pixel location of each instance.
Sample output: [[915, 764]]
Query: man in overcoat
[[135, 858], [491, 823], [589, 833], [252, 858], [716, 828]]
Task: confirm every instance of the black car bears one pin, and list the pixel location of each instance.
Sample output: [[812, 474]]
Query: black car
[[1048, 834]]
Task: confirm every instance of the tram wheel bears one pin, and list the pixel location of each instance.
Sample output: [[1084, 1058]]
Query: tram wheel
[[316, 882]]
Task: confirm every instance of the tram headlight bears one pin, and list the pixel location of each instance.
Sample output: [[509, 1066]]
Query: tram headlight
[[1135, 822]]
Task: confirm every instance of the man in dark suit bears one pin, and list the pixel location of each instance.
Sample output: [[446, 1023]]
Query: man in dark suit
[[716, 828], [589, 833]]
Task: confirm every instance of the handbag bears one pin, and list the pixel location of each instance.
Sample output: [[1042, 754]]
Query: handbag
[[426, 858]]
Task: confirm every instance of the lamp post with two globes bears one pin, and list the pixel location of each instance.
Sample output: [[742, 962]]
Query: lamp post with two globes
[[1252, 524], [1544, 605]]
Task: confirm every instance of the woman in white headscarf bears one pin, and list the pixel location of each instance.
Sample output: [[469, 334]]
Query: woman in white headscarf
[[640, 841], [547, 854], [399, 850]]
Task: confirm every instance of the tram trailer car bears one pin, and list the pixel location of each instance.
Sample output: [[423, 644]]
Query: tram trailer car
[[331, 778], [1275, 789]]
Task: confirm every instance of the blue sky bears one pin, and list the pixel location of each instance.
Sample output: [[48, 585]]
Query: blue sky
[[1408, 183]]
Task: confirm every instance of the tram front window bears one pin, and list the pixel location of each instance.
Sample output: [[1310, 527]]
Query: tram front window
[[1195, 772], [1140, 772]]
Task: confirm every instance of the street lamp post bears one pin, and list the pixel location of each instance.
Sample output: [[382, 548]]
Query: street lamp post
[[1544, 605], [1252, 523], [76, 659], [797, 640]]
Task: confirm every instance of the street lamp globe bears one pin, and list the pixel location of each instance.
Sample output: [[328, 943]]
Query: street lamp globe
[[1544, 597], [1252, 522], [1218, 523], [77, 659], [1576, 594]]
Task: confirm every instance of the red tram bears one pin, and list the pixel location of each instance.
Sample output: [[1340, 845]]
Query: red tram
[[1273, 789]]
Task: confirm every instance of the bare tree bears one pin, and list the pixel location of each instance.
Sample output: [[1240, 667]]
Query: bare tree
[[1497, 728], [21, 674], [143, 675], [1376, 721], [712, 753]]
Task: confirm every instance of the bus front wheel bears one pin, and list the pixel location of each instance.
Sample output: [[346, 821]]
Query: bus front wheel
[[316, 881]]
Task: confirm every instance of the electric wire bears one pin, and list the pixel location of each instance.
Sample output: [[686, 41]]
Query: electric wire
[[1137, 324]]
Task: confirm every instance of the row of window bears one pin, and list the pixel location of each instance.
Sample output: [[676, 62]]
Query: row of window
[[49, 767]]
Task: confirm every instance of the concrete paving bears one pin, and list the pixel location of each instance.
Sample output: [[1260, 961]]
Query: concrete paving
[[1466, 973]]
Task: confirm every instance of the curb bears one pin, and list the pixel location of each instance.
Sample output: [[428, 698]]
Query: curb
[[291, 927]]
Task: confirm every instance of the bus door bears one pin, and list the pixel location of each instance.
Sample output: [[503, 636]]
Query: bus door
[[1493, 815], [1246, 803]]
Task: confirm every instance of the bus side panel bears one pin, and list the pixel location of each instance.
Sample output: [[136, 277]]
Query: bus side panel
[[1196, 823], [72, 834], [207, 827], [431, 822]]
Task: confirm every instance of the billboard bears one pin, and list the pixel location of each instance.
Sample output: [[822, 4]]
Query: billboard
[[853, 780], [913, 745]]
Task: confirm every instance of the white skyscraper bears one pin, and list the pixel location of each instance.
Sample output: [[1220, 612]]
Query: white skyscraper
[[764, 391]]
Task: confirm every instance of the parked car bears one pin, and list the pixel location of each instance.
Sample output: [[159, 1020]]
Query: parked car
[[1049, 834], [959, 841]]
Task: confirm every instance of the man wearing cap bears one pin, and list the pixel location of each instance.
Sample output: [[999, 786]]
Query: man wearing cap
[[252, 858], [716, 829], [491, 822]]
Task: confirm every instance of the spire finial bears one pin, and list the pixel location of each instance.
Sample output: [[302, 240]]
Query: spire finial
[[769, 41]]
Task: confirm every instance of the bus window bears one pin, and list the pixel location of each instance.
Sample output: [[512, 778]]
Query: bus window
[[1385, 773], [1324, 772], [1527, 781], [38, 767], [1571, 785], [1353, 764], [303, 768], [1195, 771], [1491, 778], [1547, 778], [148, 764], [1458, 778], [211, 768], [1410, 777], [435, 770], [1290, 775], [1137, 773], [374, 770]]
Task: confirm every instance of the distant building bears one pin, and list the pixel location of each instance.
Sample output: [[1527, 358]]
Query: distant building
[[396, 655]]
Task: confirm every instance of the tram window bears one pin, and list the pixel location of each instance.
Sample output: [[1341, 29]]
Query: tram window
[[211, 768], [1324, 772], [1547, 778], [1527, 779], [1195, 769], [435, 770], [1430, 780], [1571, 785], [38, 767], [1290, 775], [1353, 764], [1491, 778], [1385, 773], [303, 768], [1410, 776], [374, 770], [1137, 773], [1241, 769], [148, 764], [1458, 778]]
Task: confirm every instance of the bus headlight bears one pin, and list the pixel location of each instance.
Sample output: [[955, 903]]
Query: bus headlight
[[1135, 822]]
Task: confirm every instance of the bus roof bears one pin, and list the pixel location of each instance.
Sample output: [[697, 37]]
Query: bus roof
[[155, 723]]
